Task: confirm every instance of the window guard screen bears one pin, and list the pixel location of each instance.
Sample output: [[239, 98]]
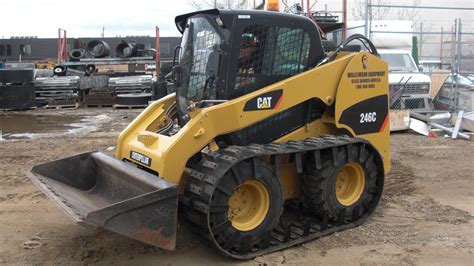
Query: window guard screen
[[269, 54]]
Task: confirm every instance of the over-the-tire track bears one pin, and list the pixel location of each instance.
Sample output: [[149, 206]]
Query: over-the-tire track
[[292, 229]]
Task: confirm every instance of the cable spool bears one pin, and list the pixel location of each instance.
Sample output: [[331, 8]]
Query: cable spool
[[98, 48], [60, 70]]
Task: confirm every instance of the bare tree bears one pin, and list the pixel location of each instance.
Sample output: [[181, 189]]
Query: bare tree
[[410, 13], [375, 13], [223, 4]]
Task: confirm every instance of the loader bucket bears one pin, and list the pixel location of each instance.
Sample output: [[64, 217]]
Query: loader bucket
[[98, 190]]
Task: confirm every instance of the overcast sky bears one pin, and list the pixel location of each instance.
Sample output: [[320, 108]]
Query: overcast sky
[[85, 18]]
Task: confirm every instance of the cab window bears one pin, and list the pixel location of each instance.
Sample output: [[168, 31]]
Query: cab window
[[269, 54]]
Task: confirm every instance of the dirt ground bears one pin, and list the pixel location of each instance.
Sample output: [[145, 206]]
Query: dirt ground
[[425, 215]]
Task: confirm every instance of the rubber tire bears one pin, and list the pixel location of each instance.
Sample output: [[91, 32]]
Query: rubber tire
[[319, 185], [231, 238]]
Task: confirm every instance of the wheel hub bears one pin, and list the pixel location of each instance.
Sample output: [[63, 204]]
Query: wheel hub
[[350, 184], [249, 205]]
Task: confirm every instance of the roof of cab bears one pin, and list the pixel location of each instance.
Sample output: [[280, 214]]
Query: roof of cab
[[180, 20]]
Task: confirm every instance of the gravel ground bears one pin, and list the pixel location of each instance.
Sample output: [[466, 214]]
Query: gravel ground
[[425, 215]]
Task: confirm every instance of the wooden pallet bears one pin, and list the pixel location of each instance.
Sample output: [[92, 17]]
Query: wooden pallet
[[65, 106], [15, 110], [99, 99], [120, 106], [97, 105]]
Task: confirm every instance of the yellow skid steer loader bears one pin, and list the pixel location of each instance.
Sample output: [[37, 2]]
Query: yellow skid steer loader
[[268, 141]]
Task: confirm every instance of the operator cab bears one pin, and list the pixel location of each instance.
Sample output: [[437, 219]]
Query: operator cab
[[225, 54]]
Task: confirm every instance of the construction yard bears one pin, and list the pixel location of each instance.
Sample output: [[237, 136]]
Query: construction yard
[[243, 132], [425, 215]]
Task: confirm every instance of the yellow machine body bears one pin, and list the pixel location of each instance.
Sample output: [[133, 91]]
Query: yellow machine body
[[332, 83]]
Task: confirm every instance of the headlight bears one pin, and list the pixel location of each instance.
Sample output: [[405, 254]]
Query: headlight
[[425, 88]]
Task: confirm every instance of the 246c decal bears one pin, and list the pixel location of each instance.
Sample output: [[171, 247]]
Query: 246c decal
[[368, 117]]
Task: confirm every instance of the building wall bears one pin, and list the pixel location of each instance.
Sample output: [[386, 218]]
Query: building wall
[[47, 48]]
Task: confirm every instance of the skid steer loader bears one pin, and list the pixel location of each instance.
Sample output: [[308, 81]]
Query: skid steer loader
[[268, 141]]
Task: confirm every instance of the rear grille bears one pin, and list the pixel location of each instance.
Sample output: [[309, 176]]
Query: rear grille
[[410, 89]]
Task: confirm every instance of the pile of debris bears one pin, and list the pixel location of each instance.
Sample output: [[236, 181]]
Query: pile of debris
[[131, 84], [90, 91], [58, 91], [444, 124], [436, 119]]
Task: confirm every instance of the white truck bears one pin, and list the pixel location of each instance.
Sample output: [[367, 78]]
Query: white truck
[[395, 48], [405, 75]]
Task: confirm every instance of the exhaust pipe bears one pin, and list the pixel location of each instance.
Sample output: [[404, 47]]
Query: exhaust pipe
[[96, 189]]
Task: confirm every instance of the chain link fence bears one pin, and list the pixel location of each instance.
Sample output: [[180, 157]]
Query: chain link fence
[[442, 76]]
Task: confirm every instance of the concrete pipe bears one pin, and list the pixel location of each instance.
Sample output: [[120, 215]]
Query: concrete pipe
[[125, 49], [98, 48], [77, 54]]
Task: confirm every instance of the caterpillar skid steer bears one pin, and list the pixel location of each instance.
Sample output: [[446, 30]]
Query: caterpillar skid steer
[[267, 143]]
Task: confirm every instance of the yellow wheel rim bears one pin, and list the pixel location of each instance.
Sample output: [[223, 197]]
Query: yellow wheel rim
[[350, 183], [249, 205]]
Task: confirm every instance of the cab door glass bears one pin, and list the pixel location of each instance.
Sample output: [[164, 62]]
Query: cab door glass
[[269, 54]]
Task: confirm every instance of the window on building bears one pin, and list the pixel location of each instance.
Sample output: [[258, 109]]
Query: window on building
[[2, 50], [25, 49], [269, 54], [9, 50]]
